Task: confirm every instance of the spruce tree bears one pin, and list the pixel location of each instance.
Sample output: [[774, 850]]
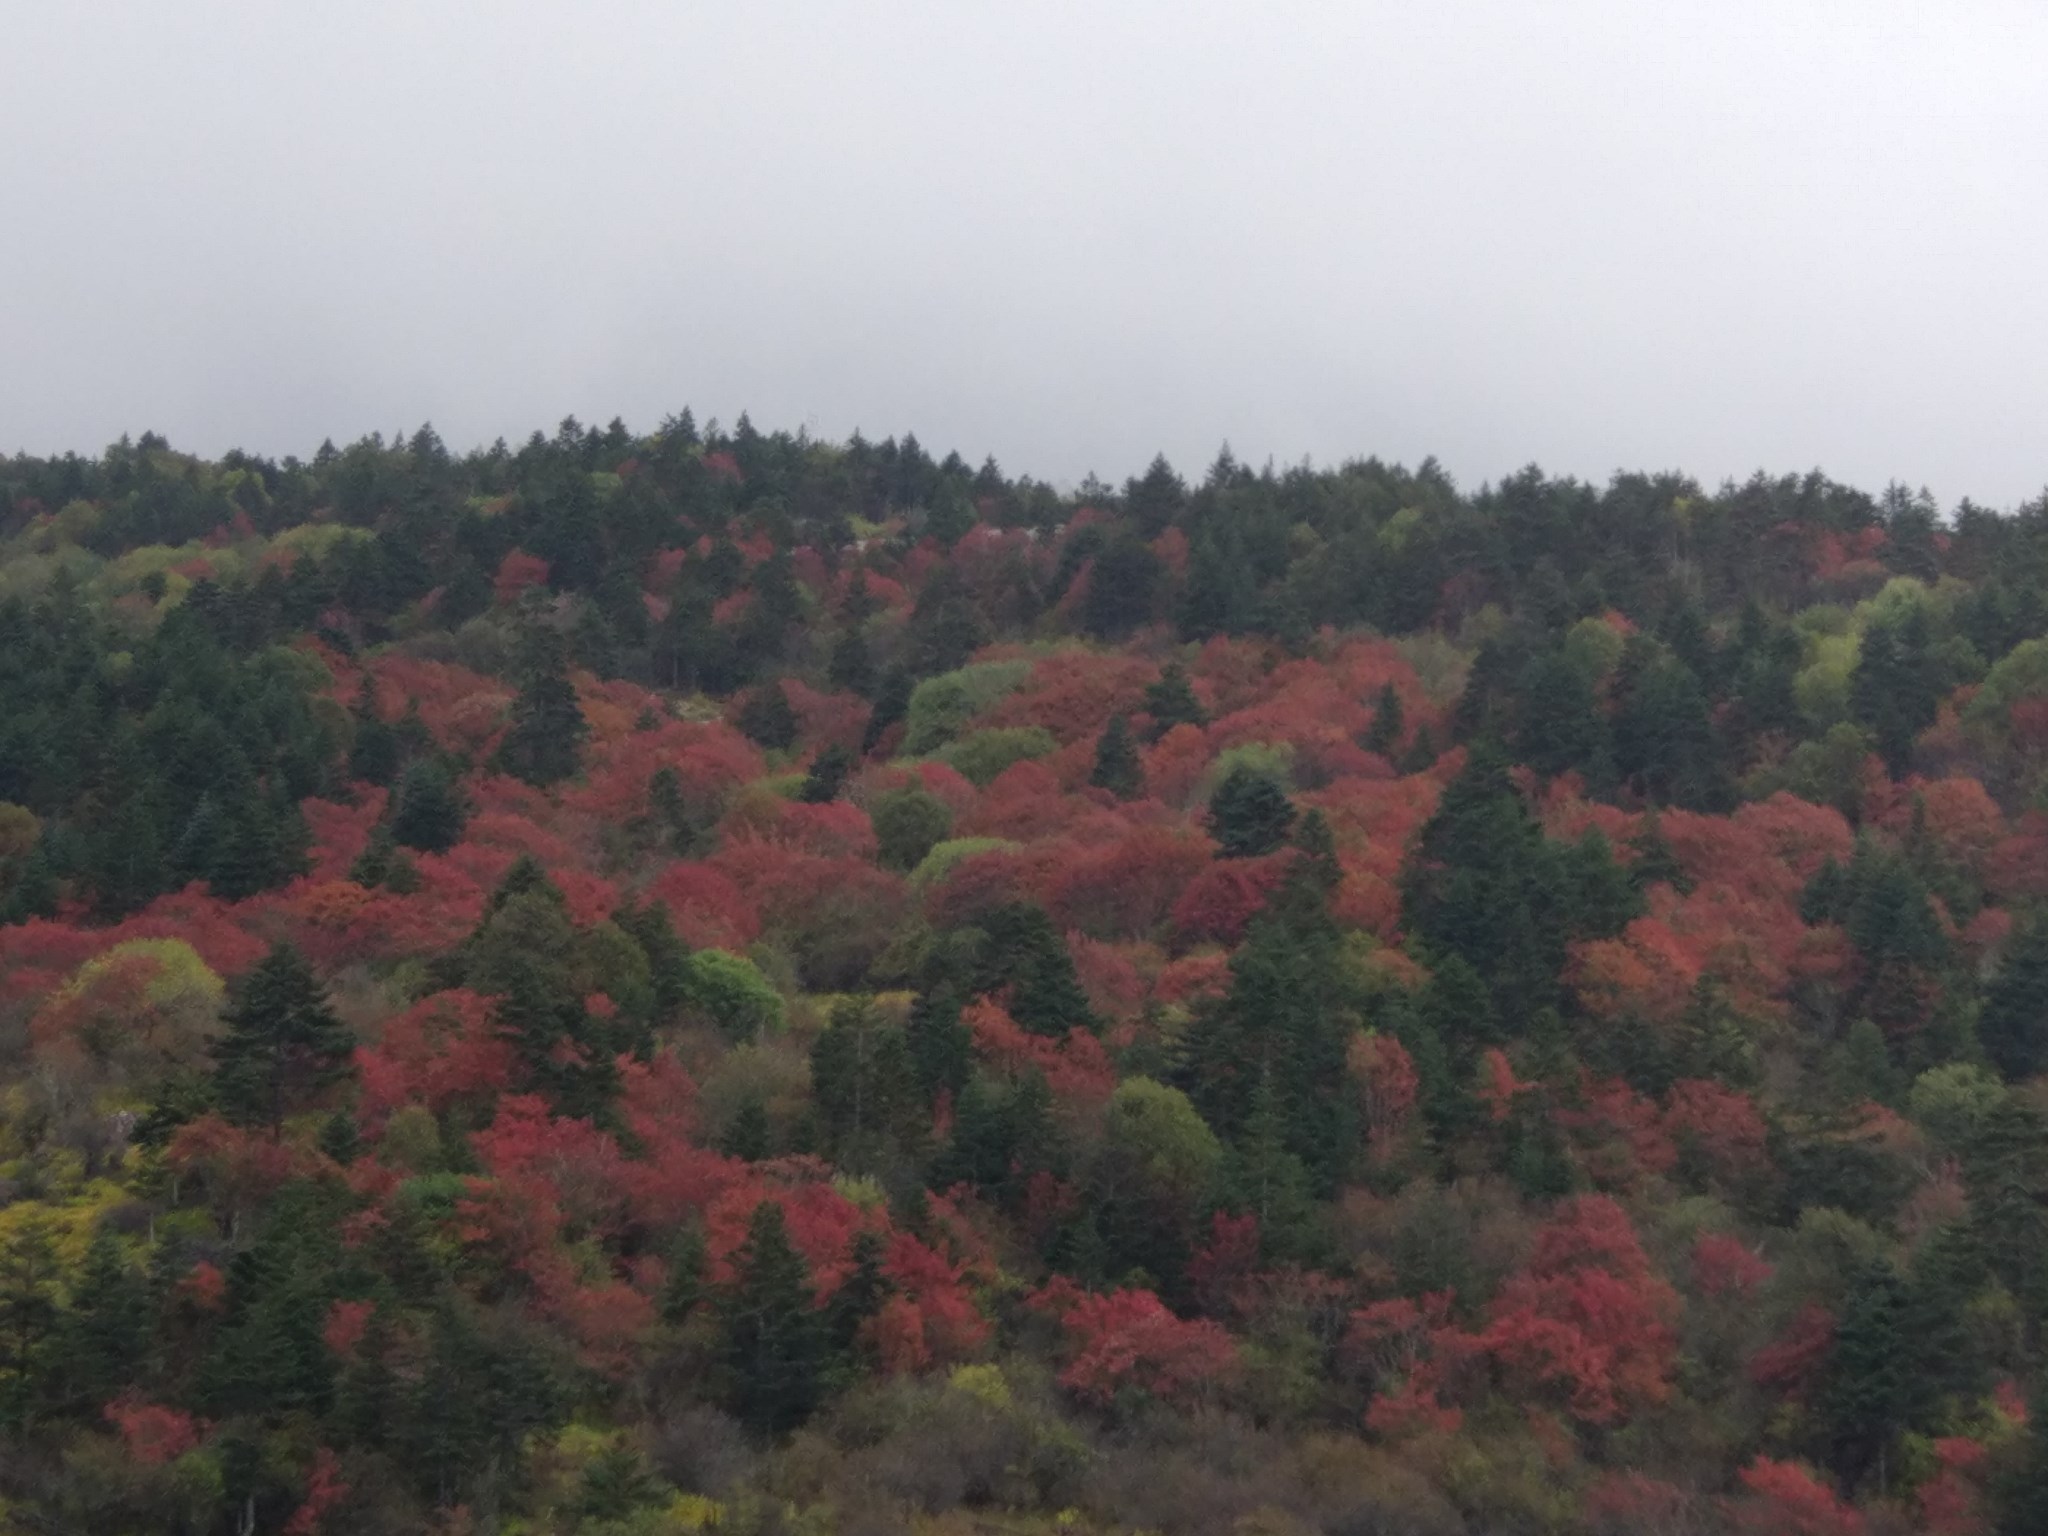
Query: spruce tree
[[683, 1288], [766, 718], [1483, 885], [826, 776], [29, 1317], [1117, 768], [375, 751], [1171, 701], [941, 1049], [283, 1044], [106, 1327], [1389, 724], [1872, 1386], [772, 1342], [545, 744], [851, 668], [428, 812], [1026, 954], [1249, 814], [2013, 1023]]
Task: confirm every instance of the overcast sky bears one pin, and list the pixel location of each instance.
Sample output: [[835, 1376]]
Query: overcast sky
[[1644, 234]]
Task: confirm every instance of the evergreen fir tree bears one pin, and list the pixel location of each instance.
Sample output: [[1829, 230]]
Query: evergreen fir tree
[[283, 1045], [892, 703], [859, 1298], [428, 812], [766, 718], [941, 1049], [2013, 1023], [772, 1344], [1117, 767], [1171, 701], [1026, 954], [1483, 885], [1389, 724], [29, 1317], [545, 743], [851, 668], [375, 751], [826, 776], [1249, 814], [1872, 1385], [683, 1288]]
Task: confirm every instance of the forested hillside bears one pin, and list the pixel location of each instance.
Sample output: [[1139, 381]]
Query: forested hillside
[[715, 981]]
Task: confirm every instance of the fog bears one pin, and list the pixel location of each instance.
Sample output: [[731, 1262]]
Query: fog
[[1712, 237]]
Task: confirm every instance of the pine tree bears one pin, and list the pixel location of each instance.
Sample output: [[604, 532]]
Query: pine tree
[[28, 1320], [375, 751], [941, 1048], [1665, 745], [2013, 1023], [1872, 1387], [106, 1327], [545, 742], [1122, 584], [859, 1297], [772, 1344], [766, 718], [1653, 859], [949, 519], [1898, 685], [1025, 953], [1482, 885], [428, 812], [526, 954], [683, 1288], [1560, 726], [864, 1084], [1171, 701], [1117, 768], [1281, 1031], [283, 1044], [747, 1137], [826, 776], [1389, 724], [851, 668], [1249, 814]]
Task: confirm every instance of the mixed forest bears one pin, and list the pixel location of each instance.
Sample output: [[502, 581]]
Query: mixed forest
[[711, 980]]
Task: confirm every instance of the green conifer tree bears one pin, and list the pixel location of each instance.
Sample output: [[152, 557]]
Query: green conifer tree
[[772, 1342], [428, 812], [1117, 767], [545, 743], [1171, 701], [283, 1045], [1249, 814]]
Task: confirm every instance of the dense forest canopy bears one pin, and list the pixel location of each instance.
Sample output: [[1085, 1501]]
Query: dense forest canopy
[[713, 980]]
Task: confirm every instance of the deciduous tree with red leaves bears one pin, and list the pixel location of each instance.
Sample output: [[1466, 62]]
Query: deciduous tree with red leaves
[[1588, 1317]]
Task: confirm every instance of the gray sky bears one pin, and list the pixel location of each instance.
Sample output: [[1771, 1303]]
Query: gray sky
[[1653, 234]]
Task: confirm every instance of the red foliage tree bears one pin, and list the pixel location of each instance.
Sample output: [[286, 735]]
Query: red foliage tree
[[1588, 1315], [1787, 1499], [1384, 1077], [444, 1049], [151, 1433], [1719, 1126], [1218, 904], [1076, 1069], [1794, 1361], [1128, 1338], [1725, 1266], [1126, 888], [517, 572]]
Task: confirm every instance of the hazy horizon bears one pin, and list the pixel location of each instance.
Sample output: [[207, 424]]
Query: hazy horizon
[[1705, 238]]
